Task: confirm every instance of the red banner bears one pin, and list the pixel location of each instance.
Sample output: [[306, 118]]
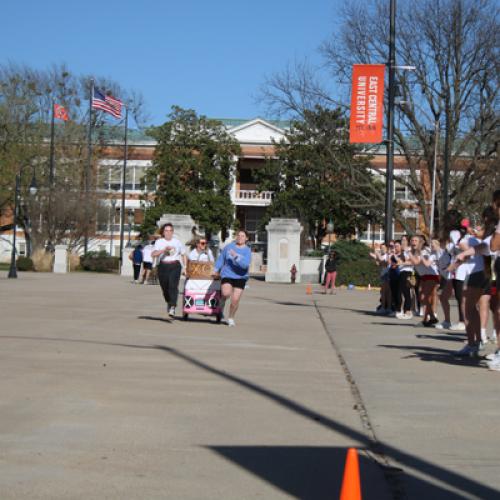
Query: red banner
[[367, 103]]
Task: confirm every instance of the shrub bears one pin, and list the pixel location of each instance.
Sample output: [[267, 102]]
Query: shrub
[[24, 264], [42, 261], [99, 262], [355, 265]]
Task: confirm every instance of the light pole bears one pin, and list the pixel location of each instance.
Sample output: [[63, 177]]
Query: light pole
[[112, 228], [130, 219], [32, 190], [330, 228], [433, 204]]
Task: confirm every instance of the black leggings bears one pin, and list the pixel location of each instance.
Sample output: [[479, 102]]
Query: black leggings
[[137, 271], [458, 289], [404, 284], [169, 276]]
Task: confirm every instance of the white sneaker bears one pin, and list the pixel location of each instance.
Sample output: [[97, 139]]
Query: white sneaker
[[467, 350], [458, 327], [230, 322], [445, 325], [493, 355], [402, 315], [493, 337], [171, 312], [494, 364]]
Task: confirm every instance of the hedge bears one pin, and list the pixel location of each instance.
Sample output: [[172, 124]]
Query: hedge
[[99, 262], [355, 265], [24, 264]]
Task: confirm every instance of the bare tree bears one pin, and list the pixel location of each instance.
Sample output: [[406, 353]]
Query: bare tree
[[61, 211], [453, 45]]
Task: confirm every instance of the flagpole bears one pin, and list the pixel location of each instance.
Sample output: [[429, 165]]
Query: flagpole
[[124, 173], [52, 148], [88, 170]]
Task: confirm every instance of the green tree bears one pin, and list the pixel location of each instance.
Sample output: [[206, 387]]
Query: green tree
[[192, 169], [317, 176]]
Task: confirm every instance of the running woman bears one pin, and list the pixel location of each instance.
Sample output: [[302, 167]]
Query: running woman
[[172, 257], [232, 267]]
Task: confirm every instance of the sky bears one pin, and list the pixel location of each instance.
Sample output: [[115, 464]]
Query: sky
[[210, 56]]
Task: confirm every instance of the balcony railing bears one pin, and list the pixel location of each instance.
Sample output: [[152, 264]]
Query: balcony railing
[[253, 197]]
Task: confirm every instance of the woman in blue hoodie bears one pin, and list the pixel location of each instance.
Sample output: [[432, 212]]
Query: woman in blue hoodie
[[232, 267]]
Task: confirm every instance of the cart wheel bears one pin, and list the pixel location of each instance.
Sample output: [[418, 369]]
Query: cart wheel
[[185, 316], [219, 318]]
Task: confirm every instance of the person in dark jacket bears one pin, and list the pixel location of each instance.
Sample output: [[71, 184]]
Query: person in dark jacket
[[331, 272], [136, 258]]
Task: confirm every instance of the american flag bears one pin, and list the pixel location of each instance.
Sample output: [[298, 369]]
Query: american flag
[[107, 103]]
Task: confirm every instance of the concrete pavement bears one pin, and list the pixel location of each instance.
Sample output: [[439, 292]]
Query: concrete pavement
[[101, 396]]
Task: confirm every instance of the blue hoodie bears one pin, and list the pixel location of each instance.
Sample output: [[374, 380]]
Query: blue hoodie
[[234, 267]]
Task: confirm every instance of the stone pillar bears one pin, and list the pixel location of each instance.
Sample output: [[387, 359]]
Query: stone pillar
[[183, 226], [283, 249], [61, 259], [127, 268]]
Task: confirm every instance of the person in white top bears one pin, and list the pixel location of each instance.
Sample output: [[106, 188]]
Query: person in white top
[[147, 260], [477, 282], [172, 259], [201, 252], [425, 262], [494, 361]]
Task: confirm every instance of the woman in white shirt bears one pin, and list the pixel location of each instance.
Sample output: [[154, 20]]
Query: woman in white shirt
[[201, 252], [425, 263], [477, 283]]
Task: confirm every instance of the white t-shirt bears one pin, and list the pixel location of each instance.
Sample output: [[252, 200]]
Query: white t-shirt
[[205, 256], [475, 263], [146, 253], [453, 247], [175, 253], [406, 267], [431, 259]]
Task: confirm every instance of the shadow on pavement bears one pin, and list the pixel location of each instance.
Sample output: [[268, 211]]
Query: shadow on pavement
[[421, 488], [274, 460], [435, 355], [305, 472], [155, 318], [446, 338]]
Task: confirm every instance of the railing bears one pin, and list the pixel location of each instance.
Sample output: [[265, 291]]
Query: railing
[[252, 196]]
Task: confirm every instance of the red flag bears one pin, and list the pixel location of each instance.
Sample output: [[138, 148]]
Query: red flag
[[367, 103], [60, 112]]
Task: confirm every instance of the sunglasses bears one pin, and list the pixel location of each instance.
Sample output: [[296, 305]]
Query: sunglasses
[[203, 242]]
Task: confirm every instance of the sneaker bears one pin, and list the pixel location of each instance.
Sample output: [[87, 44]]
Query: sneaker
[[458, 327], [404, 315], [481, 345], [493, 338], [467, 350], [230, 322], [171, 312], [493, 355], [445, 325], [494, 364]]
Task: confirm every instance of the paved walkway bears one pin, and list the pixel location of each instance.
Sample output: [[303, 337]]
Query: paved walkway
[[101, 396]]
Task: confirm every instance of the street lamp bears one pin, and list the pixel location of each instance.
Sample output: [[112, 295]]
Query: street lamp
[[112, 228], [32, 190], [130, 219], [330, 228]]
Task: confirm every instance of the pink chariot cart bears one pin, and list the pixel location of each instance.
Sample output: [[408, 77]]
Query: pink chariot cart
[[202, 296]]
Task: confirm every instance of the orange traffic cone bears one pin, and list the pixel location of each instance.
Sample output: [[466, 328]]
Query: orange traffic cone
[[309, 289], [351, 485]]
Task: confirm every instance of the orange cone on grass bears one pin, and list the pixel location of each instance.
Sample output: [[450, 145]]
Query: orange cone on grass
[[351, 484]]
